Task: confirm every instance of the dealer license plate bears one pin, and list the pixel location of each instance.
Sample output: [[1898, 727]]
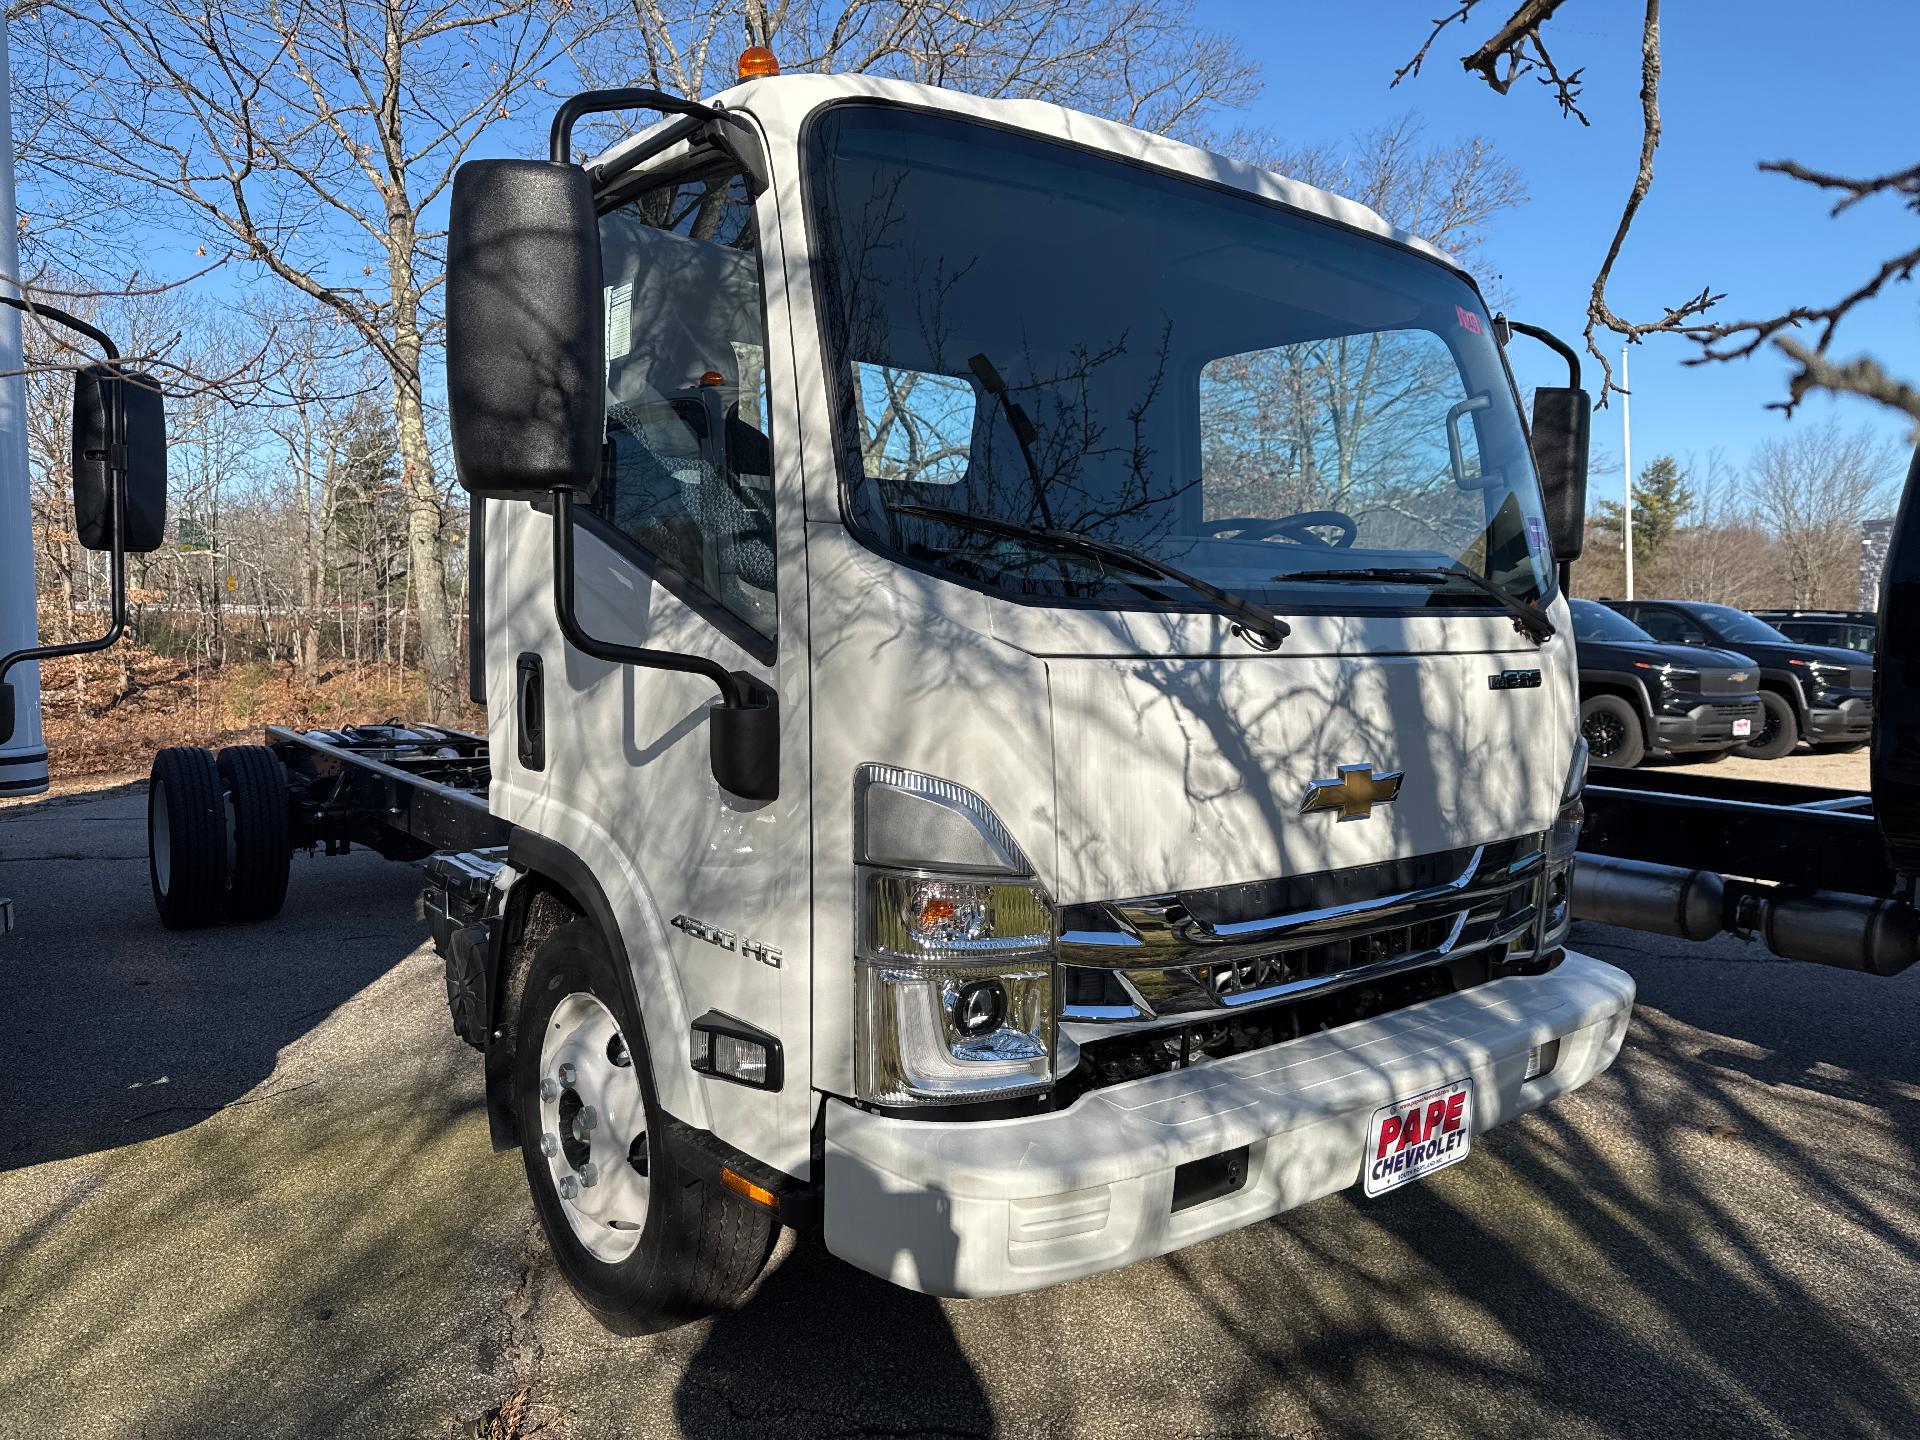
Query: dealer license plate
[[1418, 1135], [1743, 727]]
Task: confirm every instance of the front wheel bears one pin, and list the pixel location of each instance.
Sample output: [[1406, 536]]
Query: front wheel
[[1779, 730], [1612, 730], [645, 1241]]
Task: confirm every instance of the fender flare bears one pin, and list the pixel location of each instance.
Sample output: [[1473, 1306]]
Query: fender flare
[[1617, 680], [1778, 679], [536, 855]]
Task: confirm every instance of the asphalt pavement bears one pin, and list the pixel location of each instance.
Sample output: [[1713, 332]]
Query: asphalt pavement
[[246, 1190]]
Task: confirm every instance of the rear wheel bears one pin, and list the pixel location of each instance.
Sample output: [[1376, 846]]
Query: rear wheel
[[262, 851], [645, 1241], [1612, 730], [186, 838], [1779, 730]]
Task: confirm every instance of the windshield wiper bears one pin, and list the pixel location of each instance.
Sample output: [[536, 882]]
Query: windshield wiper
[[1267, 630], [1530, 620]]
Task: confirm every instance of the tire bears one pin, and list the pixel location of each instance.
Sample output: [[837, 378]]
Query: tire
[[262, 848], [1703, 757], [187, 838], [1779, 730], [1842, 747], [1612, 730], [661, 1245]]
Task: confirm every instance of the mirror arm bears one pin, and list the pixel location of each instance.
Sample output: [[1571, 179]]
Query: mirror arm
[[736, 689], [117, 461], [1553, 342], [594, 102]]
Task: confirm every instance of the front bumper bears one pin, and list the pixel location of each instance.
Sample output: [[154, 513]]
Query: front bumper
[[1707, 726], [994, 1207], [1849, 720]]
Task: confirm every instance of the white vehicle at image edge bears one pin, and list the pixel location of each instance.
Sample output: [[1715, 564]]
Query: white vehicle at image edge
[[1145, 779]]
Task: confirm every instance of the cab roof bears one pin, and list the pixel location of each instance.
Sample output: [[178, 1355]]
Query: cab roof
[[781, 103]]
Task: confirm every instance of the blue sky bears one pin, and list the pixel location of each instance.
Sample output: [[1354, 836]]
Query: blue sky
[[1742, 82]]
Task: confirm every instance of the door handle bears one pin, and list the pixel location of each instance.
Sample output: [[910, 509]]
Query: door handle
[[530, 712]]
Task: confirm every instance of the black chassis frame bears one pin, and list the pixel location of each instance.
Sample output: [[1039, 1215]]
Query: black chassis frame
[[402, 791]]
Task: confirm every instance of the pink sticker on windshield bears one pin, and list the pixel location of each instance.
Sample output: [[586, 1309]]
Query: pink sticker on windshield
[[1469, 321]]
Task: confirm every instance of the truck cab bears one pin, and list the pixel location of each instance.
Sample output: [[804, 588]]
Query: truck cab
[[1027, 686]]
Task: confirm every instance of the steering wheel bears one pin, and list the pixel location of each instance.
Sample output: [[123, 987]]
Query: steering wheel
[[1296, 529]]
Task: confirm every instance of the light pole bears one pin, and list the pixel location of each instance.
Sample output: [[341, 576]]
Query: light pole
[[1626, 464]]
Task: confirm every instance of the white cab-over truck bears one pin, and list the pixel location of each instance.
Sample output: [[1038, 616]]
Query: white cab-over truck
[[1029, 714]]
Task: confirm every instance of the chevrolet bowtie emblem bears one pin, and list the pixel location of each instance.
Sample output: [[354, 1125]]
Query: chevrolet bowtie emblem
[[1354, 793]]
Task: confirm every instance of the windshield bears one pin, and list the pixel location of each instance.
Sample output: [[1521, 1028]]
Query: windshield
[[1737, 625], [1033, 333], [1593, 621]]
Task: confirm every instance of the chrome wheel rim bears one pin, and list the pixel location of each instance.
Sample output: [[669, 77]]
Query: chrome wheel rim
[[593, 1127]]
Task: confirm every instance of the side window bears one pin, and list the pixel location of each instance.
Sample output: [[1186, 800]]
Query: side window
[[1377, 425], [688, 473], [1671, 627]]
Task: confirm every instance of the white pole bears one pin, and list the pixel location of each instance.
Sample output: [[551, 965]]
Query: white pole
[[1626, 464], [23, 759]]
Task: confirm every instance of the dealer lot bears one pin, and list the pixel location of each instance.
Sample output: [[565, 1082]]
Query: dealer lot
[[245, 1189]]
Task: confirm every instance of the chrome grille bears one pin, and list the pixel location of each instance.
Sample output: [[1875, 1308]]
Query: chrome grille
[[1176, 958]]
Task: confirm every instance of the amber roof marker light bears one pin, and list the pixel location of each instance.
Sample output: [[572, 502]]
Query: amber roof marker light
[[757, 61]]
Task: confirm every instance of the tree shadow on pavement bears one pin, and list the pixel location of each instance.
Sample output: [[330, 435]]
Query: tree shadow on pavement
[[120, 1030], [823, 1348]]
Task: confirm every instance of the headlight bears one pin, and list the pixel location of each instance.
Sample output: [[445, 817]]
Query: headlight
[[954, 957], [1556, 886], [1678, 677]]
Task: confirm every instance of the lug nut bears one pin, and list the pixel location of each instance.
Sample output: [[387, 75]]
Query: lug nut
[[589, 1173], [584, 1122], [549, 1144], [568, 1074], [549, 1091], [569, 1187]]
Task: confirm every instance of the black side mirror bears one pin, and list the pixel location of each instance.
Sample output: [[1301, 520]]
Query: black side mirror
[[526, 368], [119, 475], [1562, 419], [97, 391]]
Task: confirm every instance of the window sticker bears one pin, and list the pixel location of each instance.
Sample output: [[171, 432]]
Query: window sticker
[[1469, 321], [619, 320]]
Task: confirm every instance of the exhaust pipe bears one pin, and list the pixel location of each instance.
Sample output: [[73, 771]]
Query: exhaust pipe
[[1852, 932]]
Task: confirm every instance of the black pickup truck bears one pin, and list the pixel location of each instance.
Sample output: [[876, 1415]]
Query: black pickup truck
[[1816, 693], [1640, 697]]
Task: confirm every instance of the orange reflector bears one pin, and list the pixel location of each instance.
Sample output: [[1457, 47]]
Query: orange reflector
[[756, 61], [713, 377], [740, 1185]]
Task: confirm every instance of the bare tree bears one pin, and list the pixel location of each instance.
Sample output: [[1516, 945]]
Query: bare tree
[[1146, 62], [1811, 490], [1516, 48], [314, 142]]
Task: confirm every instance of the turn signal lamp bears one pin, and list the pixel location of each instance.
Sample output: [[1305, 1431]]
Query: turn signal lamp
[[757, 61], [713, 377]]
